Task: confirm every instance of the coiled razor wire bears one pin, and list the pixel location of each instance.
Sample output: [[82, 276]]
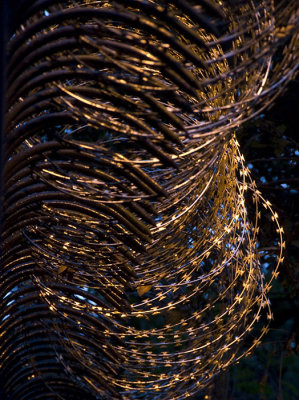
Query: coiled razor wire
[[131, 267]]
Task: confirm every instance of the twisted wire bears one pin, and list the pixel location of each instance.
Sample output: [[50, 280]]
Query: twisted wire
[[131, 267]]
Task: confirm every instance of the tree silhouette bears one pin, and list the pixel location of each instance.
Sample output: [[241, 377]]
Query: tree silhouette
[[130, 232]]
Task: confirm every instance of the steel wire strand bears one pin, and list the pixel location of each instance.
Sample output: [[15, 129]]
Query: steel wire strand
[[131, 267]]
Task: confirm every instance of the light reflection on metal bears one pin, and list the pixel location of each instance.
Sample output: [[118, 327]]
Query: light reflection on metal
[[130, 265]]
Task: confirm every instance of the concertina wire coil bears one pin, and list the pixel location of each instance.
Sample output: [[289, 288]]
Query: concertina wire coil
[[130, 264]]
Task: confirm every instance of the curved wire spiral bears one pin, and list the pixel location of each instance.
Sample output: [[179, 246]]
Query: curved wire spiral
[[130, 264]]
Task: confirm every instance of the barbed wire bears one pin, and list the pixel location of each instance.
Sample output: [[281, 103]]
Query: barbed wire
[[131, 267]]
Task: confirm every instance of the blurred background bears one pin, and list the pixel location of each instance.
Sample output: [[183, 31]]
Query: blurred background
[[270, 146]]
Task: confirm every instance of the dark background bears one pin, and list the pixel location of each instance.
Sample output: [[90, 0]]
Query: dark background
[[270, 146]]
